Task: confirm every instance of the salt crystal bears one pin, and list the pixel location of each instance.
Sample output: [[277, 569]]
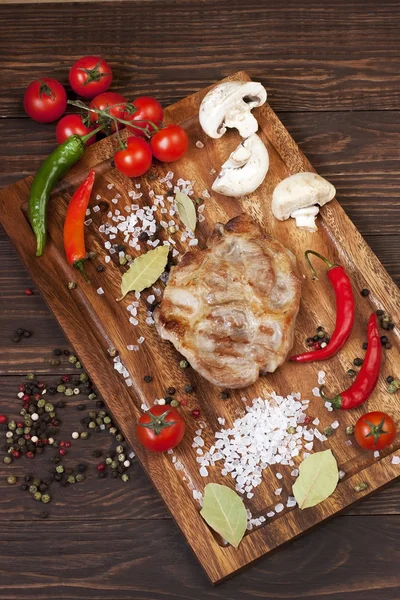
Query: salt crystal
[[341, 474], [291, 501], [295, 473], [193, 242], [133, 321], [309, 446], [348, 442], [110, 186], [328, 405], [270, 514], [278, 491], [203, 471], [107, 259], [221, 420], [278, 475], [316, 392], [100, 290], [335, 424], [279, 508], [316, 421], [96, 208], [199, 144], [396, 460], [205, 194], [201, 218], [88, 222], [87, 213], [321, 377], [141, 340], [376, 454], [98, 197]]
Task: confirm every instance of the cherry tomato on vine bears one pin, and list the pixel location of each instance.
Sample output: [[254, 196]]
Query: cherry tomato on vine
[[71, 125], [135, 160], [90, 76], [169, 143], [160, 428], [147, 109], [375, 431], [45, 100], [102, 101]]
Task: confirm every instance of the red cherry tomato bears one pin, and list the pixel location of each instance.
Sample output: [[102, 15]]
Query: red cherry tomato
[[102, 101], [375, 431], [170, 143], [71, 125], [45, 100], [148, 109], [90, 76], [160, 428], [135, 160]]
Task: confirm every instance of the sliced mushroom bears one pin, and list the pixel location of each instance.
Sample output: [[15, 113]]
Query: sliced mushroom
[[244, 170], [297, 197], [229, 105]]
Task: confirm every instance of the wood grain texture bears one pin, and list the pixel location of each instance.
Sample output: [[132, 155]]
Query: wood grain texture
[[311, 56], [84, 311], [128, 560]]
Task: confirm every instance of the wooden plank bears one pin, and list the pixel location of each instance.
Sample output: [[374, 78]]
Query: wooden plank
[[127, 559], [84, 311], [171, 48]]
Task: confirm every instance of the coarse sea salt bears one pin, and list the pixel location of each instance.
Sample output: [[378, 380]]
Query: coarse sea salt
[[396, 460], [321, 377]]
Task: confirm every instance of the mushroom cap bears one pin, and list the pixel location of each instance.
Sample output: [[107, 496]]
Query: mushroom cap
[[300, 191], [244, 170], [229, 105]]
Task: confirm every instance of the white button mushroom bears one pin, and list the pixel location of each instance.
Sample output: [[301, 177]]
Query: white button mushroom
[[244, 170], [297, 197], [229, 105]]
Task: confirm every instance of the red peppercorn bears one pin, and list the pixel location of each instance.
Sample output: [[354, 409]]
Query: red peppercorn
[[62, 444], [62, 451], [101, 467], [27, 436], [20, 424], [37, 397], [308, 420], [29, 454], [16, 454], [183, 402], [54, 422], [3, 419], [41, 384], [44, 441], [317, 346], [25, 398], [28, 292], [22, 387], [195, 413], [68, 444], [65, 378]]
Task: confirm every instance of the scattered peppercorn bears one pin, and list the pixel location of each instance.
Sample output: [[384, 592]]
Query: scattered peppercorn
[[389, 379], [183, 364], [328, 431], [361, 487], [384, 339], [196, 413], [351, 373], [388, 345], [365, 292], [147, 378], [71, 285], [188, 389], [350, 430], [379, 313], [44, 514], [365, 346], [357, 362], [11, 479], [224, 395], [171, 391]]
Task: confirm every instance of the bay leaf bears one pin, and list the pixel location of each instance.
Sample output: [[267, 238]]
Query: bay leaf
[[224, 512], [144, 271], [186, 210], [317, 480]]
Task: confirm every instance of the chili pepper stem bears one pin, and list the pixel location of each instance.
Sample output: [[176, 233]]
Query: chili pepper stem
[[336, 401], [326, 261], [78, 264]]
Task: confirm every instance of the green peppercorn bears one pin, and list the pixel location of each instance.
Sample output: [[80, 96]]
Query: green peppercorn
[[45, 498], [121, 457], [107, 420], [61, 388], [122, 260], [125, 477], [78, 365], [80, 477], [183, 364], [36, 481], [113, 430], [41, 403], [72, 359], [71, 285], [21, 441], [99, 421], [350, 430], [48, 407], [108, 460], [37, 496], [52, 414], [19, 431], [175, 403], [394, 386], [11, 479], [23, 410], [291, 430], [92, 425], [119, 449], [69, 392], [361, 487], [92, 396], [33, 489], [7, 460], [328, 431], [92, 415], [60, 469], [12, 425], [114, 464], [54, 362], [84, 435], [30, 376], [92, 255], [119, 437], [71, 479], [83, 377]]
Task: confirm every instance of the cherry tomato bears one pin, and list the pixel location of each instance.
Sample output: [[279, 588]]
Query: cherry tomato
[[136, 159], [45, 100], [375, 431], [170, 143], [90, 76], [160, 428], [148, 109], [102, 101], [71, 125]]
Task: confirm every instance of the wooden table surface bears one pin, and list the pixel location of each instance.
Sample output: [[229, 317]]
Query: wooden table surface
[[332, 75]]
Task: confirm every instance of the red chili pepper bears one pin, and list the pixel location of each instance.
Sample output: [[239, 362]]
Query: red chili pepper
[[367, 378], [344, 311], [74, 235]]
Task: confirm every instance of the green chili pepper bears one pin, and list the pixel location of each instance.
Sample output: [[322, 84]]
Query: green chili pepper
[[51, 170]]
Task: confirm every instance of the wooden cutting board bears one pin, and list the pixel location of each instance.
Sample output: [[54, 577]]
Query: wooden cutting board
[[95, 323]]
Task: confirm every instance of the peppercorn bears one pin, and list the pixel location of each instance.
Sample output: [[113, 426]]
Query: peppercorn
[[59, 469], [188, 389], [350, 430], [147, 378], [143, 236], [224, 395], [42, 487], [78, 365], [196, 413], [61, 389], [72, 285], [71, 479], [81, 468], [357, 362], [32, 489], [69, 392], [114, 464], [81, 407], [58, 476], [125, 477], [7, 460], [328, 431], [37, 496], [379, 313], [365, 346], [23, 487], [27, 333], [183, 364], [114, 474], [120, 438], [16, 339], [99, 268], [79, 477], [389, 379], [84, 435], [388, 345], [175, 403], [92, 396], [365, 292], [171, 391], [57, 352], [361, 487], [11, 479], [384, 339], [102, 474], [113, 430]]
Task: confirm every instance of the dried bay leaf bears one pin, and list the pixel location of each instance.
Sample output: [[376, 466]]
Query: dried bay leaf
[[186, 210], [144, 271], [317, 480], [224, 512]]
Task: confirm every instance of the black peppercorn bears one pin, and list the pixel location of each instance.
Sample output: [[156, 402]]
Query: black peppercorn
[[357, 362], [58, 476], [389, 379], [44, 515], [379, 313], [114, 474], [19, 332], [51, 390], [224, 395], [351, 373], [390, 325], [171, 391], [365, 292], [188, 389], [147, 378], [24, 487], [16, 339], [81, 468], [42, 487], [168, 399], [66, 353], [102, 475], [27, 333], [384, 339], [28, 478], [99, 268], [316, 338], [143, 236], [57, 352], [365, 345]]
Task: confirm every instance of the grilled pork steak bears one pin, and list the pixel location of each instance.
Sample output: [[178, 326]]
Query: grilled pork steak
[[230, 309]]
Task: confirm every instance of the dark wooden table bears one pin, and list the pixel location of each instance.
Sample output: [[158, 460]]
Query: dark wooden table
[[332, 73]]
